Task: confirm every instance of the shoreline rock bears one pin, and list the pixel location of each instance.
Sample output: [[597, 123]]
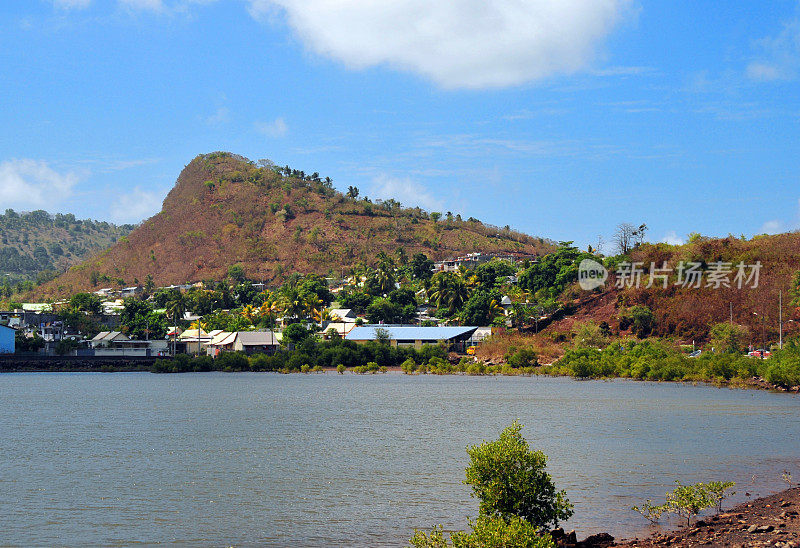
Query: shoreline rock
[[768, 521]]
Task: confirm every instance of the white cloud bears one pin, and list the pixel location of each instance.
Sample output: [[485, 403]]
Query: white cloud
[[456, 43], [275, 128], [771, 227], [72, 4], [222, 116], [672, 238], [763, 72], [135, 206], [30, 183], [147, 5], [780, 59], [776, 226], [405, 191]]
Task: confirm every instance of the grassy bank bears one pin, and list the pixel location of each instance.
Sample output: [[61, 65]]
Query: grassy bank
[[659, 361]]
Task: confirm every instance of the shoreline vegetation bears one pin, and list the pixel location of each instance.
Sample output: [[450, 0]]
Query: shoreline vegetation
[[649, 360]]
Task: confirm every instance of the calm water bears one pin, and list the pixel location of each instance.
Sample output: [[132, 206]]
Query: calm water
[[331, 460]]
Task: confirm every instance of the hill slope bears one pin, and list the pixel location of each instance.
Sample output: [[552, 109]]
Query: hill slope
[[36, 242], [688, 312], [226, 210]]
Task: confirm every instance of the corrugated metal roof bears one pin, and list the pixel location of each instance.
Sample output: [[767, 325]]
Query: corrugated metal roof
[[343, 312], [221, 338], [257, 338], [409, 333], [193, 334], [109, 336]]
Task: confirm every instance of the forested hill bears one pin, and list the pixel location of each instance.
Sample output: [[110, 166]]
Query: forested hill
[[40, 244], [226, 210]]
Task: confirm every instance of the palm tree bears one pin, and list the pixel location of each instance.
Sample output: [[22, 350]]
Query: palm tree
[[298, 304], [175, 310], [251, 313], [269, 309], [496, 308], [176, 307], [385, 280], [384, 273], [449, 291], [314, 307]]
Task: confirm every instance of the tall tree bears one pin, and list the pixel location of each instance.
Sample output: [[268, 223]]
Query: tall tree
[[624, 237]]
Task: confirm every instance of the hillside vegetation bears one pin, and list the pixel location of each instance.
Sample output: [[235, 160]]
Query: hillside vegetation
[[689, 312], [226, 210], [38, 244]]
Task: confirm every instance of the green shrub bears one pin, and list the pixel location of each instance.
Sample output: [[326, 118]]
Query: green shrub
[[716, 490], [514, 532], [408, 366], [689, 500], [524, 357], [510, 481], [232, 361], [487, 532], [650, 511], [725, 337], [439, 365]]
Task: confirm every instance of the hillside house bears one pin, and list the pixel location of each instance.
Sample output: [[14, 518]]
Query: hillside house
[[131, 347], [192, 341], [106, 339], [11, 318], [342, 328], [470, 260], [345, 315], [131, 291], [249, 342], [217, 336]]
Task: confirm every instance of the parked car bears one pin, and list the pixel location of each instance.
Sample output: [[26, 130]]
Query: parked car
[[760, 353], [695, 354]]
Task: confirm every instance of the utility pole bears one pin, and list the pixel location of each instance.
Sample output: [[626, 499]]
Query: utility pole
[[780, 319], [731, 308]]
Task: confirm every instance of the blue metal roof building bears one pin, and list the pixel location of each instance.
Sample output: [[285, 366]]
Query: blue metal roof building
[[411, 335]]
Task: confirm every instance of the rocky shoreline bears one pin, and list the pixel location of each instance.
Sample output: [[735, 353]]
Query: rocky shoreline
[[767, 521]]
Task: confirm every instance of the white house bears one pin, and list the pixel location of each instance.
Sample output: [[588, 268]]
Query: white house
[[345, 315], [107, 338], [249, 342], [342, 328]]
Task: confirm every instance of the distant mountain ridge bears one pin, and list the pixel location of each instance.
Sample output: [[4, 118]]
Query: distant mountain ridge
[[226, 210], [38, 243]]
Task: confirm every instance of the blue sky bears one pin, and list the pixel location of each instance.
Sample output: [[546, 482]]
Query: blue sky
[[561, 118]]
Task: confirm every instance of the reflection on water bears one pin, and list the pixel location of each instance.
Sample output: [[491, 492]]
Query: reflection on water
[[320, 460]]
